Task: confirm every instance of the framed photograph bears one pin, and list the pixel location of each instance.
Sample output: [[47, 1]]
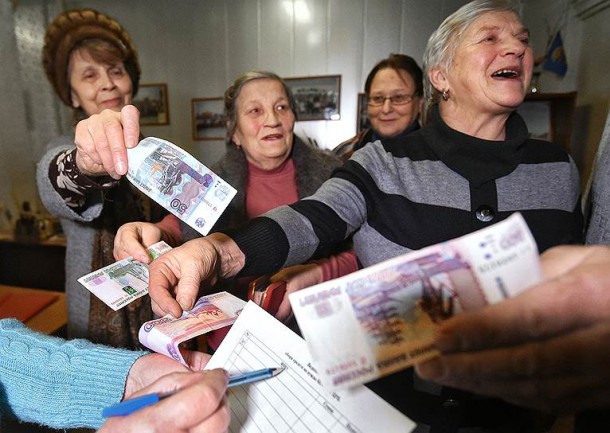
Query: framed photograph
[[208, 118], [537, 116], [317, 98], [362, 122], [151, 100]]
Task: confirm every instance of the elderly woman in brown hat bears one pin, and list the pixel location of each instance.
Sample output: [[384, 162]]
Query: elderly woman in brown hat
[[92, 64]]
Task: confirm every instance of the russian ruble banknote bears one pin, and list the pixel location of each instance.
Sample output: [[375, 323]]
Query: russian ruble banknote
[[178, 182], [382, 319], [124, 281], [210, 312]]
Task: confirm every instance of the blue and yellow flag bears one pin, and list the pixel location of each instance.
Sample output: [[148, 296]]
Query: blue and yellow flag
[[556, 57]]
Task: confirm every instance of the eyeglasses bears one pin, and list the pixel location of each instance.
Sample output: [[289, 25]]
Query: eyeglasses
[[400, 99]]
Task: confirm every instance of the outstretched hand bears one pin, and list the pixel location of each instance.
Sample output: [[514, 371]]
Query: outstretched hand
[[545, 348], [132, 239], [176, 277], [102, 141]]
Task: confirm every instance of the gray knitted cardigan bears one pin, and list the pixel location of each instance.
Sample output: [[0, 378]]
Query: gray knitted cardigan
[[78, 230]]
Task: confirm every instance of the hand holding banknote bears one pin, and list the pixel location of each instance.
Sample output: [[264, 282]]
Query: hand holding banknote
[[166, 334], [384, 317], [132, 239], [176, 277], [546, 348], [102, 141]]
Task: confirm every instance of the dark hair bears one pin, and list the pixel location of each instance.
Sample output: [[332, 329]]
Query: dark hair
[[398, 62], [107, 53]]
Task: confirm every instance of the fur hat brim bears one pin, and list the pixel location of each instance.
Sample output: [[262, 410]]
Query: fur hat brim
[[74, 26]]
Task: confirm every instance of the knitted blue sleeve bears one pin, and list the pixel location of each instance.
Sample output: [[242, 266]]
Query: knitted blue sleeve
[[58, 383]]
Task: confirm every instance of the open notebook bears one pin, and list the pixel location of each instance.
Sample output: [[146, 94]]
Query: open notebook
[[294, 400]]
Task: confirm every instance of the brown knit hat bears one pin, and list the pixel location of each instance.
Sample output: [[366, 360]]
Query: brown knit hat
[[74, 26]]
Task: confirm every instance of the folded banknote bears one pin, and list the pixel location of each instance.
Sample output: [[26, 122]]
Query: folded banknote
[[124, 281], [382, 319], [210, 312], [178, 182]]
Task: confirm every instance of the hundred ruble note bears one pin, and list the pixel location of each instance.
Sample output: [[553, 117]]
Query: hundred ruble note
[[124, 281], [178, 182], [382, 319], [210, 312]]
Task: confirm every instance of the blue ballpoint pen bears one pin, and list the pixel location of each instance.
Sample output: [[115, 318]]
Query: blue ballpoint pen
[[127, 407]]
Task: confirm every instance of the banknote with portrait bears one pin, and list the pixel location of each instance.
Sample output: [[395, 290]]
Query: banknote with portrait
[[382, 319], [164, 335]]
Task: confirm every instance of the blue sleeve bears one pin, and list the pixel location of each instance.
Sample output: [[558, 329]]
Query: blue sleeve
[[58, 383]]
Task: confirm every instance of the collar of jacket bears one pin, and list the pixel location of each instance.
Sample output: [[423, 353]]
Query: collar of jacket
[[477, 160], [312, 167]]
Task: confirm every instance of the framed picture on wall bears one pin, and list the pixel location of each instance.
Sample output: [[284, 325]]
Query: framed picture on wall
[[151, 100], [208, 118], [362, 122], [317, 98]]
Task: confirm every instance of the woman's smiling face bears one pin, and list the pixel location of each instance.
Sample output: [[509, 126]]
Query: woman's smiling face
[[97, 86], [492, 66]]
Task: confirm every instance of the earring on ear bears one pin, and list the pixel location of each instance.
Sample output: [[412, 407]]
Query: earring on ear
[[445, 95]]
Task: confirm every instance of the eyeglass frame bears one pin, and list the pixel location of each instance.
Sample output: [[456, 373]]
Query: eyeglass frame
[[410, 99]]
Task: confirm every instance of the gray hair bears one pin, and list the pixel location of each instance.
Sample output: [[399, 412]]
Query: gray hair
[[232, 93], [442, 44]]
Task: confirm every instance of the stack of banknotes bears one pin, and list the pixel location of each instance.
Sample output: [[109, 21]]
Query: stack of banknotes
[[178, 182], [382, 319], [210, 312], [127, 280], [124, 281]]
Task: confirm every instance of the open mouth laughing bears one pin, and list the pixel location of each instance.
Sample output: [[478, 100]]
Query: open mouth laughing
[[506, 73]]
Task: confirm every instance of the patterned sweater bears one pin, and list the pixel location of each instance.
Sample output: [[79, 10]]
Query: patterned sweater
[[58, 383], [404, 194]]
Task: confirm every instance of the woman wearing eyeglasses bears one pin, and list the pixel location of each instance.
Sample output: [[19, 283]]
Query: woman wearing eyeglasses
[[394, 92]]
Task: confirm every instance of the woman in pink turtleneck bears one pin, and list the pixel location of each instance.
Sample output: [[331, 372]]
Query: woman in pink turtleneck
[[269, 166]]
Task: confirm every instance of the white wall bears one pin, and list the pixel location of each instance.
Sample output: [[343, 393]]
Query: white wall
[[587, 48], [201, 46], [198, 47]]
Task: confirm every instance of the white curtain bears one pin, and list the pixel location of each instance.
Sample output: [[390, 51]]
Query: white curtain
[[30, 113]]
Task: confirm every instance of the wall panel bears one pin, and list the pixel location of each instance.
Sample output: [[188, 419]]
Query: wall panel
[[198, 47]]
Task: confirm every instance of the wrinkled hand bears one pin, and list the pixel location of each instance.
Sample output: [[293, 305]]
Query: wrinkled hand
[[132, 239], [297, 277], [102, 141], [181, 272], [199, 406], [148, 368], [546, 348]]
